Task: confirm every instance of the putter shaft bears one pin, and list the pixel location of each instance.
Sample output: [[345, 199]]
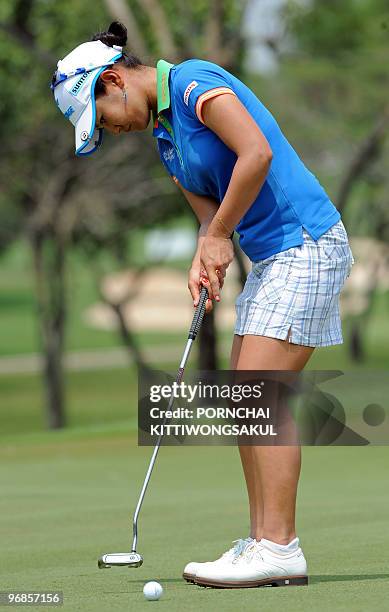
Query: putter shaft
[[157, 447], [134, 559]]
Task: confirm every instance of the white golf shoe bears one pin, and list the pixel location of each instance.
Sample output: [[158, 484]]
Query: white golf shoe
[[190, 570], [261, 563]]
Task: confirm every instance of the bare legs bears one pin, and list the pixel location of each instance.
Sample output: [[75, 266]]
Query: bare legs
[[271, 472]]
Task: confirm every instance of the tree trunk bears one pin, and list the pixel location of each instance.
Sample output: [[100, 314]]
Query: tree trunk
[[49, 264], [356, 345], [367, 152], [129, 339]]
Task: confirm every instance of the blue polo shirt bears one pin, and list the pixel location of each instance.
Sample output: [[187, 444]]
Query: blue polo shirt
[[291, 197]]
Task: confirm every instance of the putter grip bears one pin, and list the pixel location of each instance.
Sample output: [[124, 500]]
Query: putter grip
[[199, 314]]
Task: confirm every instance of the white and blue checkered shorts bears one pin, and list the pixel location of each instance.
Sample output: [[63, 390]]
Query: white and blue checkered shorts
[[295, 294]]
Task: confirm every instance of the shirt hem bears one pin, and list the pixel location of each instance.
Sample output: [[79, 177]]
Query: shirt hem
[[296, 239], [317, 231]]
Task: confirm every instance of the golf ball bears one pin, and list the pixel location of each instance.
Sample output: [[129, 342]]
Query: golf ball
[[152, 590]]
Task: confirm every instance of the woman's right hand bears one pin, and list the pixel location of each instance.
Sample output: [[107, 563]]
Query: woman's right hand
[[197, 277]]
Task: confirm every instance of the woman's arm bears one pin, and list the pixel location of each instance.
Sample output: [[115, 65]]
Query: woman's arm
[[227, 117], [205, 209]]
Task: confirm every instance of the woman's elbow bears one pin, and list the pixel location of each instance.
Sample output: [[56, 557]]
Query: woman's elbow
[[265, 154], [260, 157], [266, 161]]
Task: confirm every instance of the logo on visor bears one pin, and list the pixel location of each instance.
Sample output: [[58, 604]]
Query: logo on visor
[[84, 136], [76, 88], [69, 112]]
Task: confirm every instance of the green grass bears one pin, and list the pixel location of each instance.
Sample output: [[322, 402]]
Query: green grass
[[66, 499], [18, 318], [102, 397], [95, 398], [18, 322], [66, 496]]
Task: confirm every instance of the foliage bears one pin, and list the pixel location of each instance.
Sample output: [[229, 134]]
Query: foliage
[[334, 74], [56, 200]]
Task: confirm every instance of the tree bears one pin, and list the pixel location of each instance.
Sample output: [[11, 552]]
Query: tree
[[59, 201], [337, 69], [211, 31]]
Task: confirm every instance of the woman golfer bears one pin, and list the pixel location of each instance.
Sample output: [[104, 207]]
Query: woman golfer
[[238, 172]]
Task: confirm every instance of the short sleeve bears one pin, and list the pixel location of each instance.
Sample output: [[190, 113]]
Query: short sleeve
[[198, 81]]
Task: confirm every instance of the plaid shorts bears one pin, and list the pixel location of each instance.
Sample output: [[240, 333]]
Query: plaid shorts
[[296, 292]]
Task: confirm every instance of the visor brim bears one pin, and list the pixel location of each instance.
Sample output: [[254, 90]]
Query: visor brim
[[88, 139]]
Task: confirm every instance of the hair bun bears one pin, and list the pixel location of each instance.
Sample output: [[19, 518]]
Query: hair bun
[[120, 31], [116, 35]]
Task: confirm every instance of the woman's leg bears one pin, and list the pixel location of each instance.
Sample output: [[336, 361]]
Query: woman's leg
[[271, 472], [247, 457]]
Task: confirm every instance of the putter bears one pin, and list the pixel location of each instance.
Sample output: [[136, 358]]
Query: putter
[[134, 559]]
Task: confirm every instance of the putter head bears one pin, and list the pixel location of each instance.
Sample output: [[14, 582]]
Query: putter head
[[131, 559]]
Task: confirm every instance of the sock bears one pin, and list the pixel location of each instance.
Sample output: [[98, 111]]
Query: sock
[[281, 548]]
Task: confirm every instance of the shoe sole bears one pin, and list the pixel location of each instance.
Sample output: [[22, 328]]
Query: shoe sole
[[189, 578], [276, 581]]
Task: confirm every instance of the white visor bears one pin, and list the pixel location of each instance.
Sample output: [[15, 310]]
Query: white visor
[[74, 88]]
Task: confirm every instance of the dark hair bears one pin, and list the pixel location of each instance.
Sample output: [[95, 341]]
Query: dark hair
[[115, 35]]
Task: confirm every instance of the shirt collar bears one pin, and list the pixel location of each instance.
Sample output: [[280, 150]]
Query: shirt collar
[[163, 93]]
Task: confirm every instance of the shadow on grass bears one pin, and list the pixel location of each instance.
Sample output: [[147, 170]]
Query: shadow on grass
[[312, 579], [347, 578], [139, 584], [158, 578]]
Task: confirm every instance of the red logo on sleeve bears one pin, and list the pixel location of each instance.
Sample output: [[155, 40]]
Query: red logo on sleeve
[[188, 90]]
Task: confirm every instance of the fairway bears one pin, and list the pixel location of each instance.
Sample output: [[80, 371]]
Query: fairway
[[237, 199], [67, 497]]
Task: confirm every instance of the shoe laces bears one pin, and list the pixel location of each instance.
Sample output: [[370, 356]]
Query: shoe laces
[[237, 549], [253, 550]]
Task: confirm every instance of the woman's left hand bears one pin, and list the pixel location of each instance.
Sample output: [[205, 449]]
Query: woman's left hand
[[215, 257]]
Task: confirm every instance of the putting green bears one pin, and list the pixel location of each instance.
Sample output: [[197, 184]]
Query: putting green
[[66, 498]]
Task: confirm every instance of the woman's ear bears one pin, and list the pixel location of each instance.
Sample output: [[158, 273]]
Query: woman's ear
[[112, 77]]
